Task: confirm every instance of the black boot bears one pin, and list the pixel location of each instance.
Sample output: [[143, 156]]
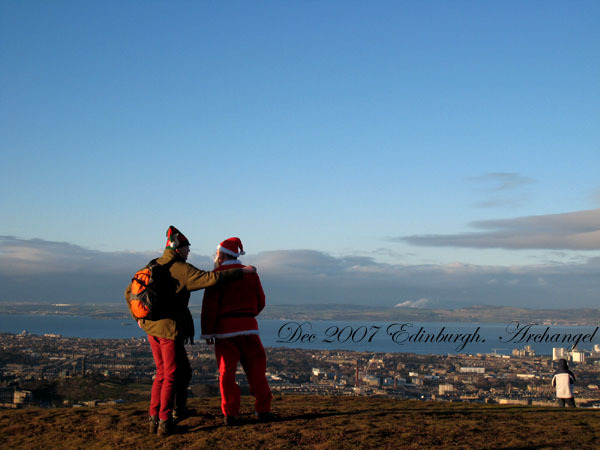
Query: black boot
[[232, 421], [166, 427], [153, 424]]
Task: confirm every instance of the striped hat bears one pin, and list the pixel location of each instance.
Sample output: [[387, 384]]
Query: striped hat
[[176, 239]]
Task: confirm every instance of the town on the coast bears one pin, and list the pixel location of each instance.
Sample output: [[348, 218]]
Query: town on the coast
[[49, 370]]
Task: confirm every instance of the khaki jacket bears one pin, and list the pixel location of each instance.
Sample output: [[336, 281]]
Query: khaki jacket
[[178, 322]]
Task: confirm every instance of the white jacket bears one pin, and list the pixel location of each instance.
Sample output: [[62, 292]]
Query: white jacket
[[563, 382]]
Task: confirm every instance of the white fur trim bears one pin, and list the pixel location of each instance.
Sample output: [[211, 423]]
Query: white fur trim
[[230, 262], [235, 333], [228, 252]]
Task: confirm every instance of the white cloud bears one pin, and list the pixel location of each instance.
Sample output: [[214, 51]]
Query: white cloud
[[43, 270], [36, 256], [578, 230], [421, 303], [501, 189], [296, 262], [502, 181]]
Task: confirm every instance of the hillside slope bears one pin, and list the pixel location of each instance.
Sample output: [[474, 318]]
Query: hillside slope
[[310, 422]]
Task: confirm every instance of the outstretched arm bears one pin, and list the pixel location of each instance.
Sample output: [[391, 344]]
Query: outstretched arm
[[199, 279]]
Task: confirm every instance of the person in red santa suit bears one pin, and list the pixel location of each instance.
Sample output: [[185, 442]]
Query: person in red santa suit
[[229, 321]]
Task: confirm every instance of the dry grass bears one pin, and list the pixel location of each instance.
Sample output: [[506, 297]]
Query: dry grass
[[311, 422]]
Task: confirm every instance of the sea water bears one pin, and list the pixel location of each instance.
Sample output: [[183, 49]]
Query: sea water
[[393, 336]]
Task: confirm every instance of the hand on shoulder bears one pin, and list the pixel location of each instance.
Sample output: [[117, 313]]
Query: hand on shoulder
[[249, 269]]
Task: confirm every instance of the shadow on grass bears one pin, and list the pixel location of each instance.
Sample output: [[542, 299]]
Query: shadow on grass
[[184, 429], [313, 416], [489, 410], [532, 447], [250, 420]]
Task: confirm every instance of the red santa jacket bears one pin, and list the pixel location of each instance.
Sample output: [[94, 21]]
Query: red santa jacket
[[229, 309]]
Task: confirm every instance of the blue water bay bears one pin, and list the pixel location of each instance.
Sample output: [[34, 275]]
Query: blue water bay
[[393, 336]]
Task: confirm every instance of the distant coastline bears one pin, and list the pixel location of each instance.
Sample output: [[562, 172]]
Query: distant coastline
[[471, 314]]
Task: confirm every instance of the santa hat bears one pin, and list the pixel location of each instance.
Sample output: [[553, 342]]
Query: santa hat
[[176, 239], [232, 247]]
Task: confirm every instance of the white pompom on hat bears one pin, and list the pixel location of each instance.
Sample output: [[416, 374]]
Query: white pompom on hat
[[232, 247]]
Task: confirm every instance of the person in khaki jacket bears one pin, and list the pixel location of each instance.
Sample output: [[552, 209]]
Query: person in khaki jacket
[[168, 334]]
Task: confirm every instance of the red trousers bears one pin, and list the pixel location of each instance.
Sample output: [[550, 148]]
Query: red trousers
[[248, 350], [173, 374]]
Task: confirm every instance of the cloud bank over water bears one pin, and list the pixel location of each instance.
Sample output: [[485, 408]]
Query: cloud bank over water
[[59, 271]]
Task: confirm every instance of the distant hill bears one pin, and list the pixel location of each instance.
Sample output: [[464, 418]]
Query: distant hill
[[332, 311], [474, 314], [310, 422]]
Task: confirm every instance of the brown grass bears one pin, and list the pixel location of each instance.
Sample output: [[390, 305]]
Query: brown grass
[[310, 422]]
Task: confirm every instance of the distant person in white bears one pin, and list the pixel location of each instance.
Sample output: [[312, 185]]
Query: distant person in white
[[563, 379]]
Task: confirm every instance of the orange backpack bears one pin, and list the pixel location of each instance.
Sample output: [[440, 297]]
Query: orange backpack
[[149, 287]]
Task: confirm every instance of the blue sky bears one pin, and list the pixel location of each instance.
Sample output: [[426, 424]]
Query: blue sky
[[378, 137]]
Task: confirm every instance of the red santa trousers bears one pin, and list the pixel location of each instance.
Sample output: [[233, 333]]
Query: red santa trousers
[[173, 373], [248, 350]]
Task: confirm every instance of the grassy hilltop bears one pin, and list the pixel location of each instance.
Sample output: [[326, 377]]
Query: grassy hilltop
[[311, 422]]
